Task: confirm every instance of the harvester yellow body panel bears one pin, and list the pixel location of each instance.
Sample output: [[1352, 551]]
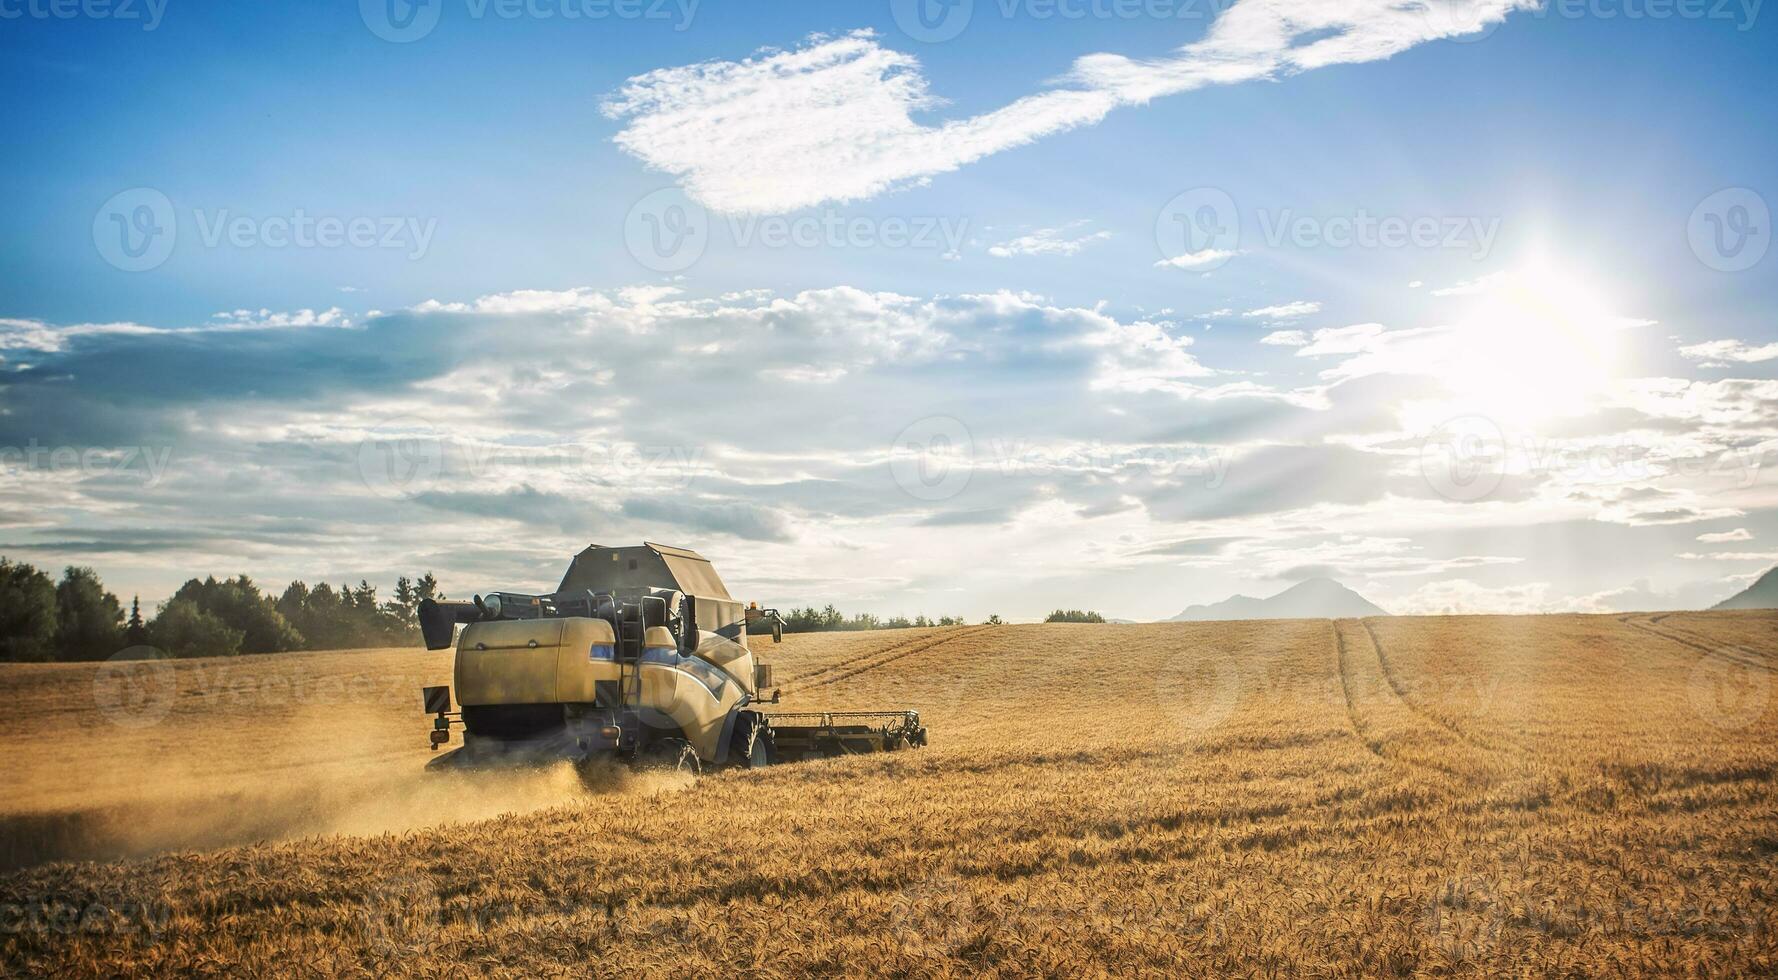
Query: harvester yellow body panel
[[533, 661]]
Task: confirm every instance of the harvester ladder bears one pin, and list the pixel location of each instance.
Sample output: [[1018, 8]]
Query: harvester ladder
[[629, 648]]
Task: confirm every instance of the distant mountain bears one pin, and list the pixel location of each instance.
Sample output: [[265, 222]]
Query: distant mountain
[[1762, 594], [1315, 598]]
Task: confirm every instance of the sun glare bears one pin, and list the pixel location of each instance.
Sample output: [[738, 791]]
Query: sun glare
[[1534, 344]]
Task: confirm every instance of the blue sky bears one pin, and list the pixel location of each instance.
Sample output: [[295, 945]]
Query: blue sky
[[989, 240]]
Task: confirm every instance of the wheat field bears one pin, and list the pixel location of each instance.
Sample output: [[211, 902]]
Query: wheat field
[[1552, 795]]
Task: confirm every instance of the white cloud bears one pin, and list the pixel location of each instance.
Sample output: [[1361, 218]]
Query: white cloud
[[1471, 287], [1198, 260], [1285, 338], [1355, 339], [831, 121], [834, 119], [1285, 311], [1718, 537], [43, 338], [1729, 350], [1046, 241], [1462, 596]]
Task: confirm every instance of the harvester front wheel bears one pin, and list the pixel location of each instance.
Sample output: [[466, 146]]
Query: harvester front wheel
[[670, 755], [752, 746]]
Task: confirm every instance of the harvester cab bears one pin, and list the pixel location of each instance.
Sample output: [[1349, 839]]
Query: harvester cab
[[640, 656]]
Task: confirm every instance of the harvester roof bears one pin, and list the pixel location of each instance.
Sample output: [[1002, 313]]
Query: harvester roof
[[648, 566]]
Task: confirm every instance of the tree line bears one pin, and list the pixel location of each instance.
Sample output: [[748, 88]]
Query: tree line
[[77, 619], [829, 619], [1074, 616]]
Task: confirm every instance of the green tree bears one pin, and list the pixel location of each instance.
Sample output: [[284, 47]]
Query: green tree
[[135, 632], [89, 620], [185, 630], [238, 604], [27, 612], [1074, 616]]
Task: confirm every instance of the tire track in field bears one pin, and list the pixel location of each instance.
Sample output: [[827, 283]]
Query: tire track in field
[[1448, 724], [849, 661], [1660, 621], [895, 653], [1469, 763], [1358, 726], [1719, 652]]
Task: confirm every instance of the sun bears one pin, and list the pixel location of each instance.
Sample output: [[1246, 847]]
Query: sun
[[1532, 345]]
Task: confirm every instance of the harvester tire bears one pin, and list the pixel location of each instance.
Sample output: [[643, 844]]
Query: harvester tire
[[670, 755], [752, 747]]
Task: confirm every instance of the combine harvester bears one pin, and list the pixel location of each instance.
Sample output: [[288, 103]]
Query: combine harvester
[[639, 656]]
